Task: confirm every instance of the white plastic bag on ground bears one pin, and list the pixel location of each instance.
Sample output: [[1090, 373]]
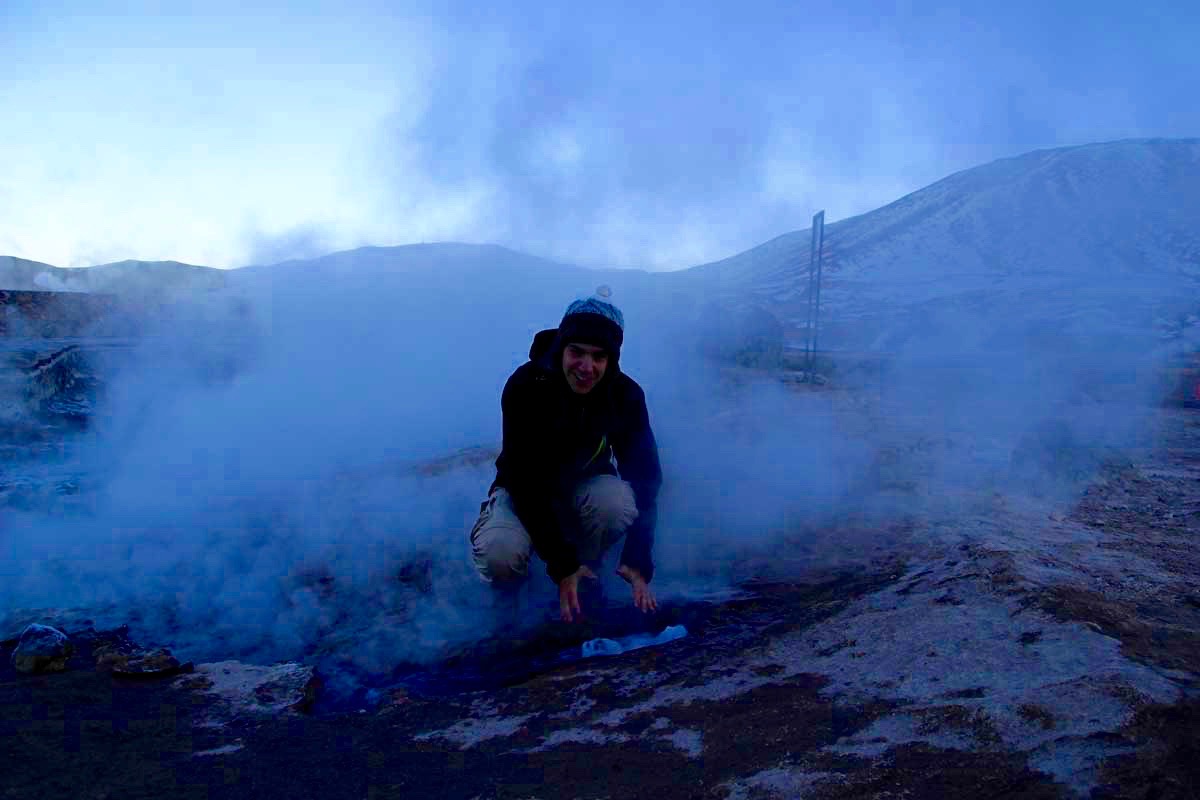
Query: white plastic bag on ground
[[612, 647]]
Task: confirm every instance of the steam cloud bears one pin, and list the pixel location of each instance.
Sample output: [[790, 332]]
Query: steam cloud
[[256, 483]]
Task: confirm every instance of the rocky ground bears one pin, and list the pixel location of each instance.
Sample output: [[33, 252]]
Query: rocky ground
[[982, 643]]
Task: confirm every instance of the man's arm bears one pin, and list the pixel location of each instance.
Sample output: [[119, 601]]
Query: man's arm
[[531, 480], [637, 461]]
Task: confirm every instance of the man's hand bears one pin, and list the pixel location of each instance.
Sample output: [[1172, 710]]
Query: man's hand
[[568, 594], [643, 598]]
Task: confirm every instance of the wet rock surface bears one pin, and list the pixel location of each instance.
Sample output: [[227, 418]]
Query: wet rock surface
[[1010, 650], [240, 690]]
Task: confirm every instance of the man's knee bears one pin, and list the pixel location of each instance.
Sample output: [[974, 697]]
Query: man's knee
[[500, 547], [608, 506], [502, 558]]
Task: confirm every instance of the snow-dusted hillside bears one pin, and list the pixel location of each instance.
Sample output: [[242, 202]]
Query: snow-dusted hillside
[[1093, 238]]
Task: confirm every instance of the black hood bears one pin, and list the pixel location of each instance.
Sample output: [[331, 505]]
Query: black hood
[[543, 346]]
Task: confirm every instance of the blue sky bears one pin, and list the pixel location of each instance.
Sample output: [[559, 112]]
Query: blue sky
[[603, 134]]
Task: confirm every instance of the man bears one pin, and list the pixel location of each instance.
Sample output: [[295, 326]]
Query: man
[[567, 412]]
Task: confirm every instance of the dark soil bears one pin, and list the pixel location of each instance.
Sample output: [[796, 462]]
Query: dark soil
[[84, 733], [1167, 765]]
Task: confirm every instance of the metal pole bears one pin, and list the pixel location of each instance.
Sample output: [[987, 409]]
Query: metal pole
[[819, 238], [808, 318]]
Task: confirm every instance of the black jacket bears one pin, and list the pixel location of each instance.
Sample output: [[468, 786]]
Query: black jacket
[[554, 438]]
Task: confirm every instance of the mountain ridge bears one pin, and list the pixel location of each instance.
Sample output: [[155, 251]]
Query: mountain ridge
[[1046, 226], [1047, 156]]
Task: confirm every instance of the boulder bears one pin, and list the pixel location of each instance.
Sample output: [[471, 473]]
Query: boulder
[[42, 649], [121, 659]]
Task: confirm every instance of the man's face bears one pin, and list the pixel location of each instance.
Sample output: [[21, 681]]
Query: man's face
[[584, 366]]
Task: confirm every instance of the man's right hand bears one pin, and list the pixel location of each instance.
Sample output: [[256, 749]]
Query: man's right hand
[[568, 594]]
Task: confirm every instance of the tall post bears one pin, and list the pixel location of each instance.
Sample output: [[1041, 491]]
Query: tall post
[[819, 236], [809, 296], [812, 322]]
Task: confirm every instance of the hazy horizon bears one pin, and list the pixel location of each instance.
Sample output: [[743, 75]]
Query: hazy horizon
[[829, 221], [614, 136]]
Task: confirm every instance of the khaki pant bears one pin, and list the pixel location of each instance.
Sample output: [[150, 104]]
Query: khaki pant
[[600, 512]]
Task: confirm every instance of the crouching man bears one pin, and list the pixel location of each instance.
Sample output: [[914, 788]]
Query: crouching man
[[567, 412]]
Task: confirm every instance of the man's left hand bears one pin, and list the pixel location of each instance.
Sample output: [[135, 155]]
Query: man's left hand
[[643, 598]]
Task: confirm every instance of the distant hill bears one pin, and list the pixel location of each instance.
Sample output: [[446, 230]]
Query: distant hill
[[21, 275], [132, 278], [1077, 241]]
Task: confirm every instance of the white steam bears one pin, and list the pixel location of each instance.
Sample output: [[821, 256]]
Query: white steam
[[260, 490]]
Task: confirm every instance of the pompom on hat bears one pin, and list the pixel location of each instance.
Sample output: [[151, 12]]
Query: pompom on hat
[[595, 321]]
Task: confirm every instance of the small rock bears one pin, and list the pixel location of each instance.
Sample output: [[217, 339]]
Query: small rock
[[391, 700], [223, 750], [42, 649]]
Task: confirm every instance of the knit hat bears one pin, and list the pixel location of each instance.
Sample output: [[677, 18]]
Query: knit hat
[[594, 321]]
